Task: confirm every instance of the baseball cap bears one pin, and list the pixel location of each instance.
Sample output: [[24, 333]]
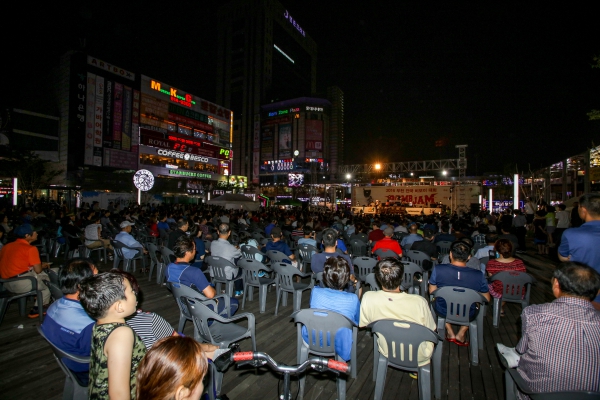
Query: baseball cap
[[389, 231], [125, 224], [25, 229], [276, 232]]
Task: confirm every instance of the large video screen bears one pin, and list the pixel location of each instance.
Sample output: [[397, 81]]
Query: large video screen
[[295, 180]]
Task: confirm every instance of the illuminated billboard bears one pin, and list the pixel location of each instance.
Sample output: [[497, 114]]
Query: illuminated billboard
[[295, 180]]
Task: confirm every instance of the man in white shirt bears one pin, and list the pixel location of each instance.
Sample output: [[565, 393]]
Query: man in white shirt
[[93, 238]]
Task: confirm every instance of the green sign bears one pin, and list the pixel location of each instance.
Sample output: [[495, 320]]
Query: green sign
[[190, 174]]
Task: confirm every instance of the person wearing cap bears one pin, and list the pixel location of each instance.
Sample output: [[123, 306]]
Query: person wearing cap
[[413, 236], [125, 237], [387, 242], [19, 259]]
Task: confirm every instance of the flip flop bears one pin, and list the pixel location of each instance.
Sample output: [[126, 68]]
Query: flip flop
[[464, 344], [451, 340]]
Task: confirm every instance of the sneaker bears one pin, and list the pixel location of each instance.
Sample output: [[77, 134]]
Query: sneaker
[[262, 274], [34, 313], [239, 293]]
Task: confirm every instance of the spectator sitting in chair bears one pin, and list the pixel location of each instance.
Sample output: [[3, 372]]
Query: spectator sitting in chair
[[413, 236], [560, 344], [222, 248], [93, 236], [279, 245], [457, 274], [394, 303], [317, 262], [387, 242], [427, 247], [125, 237], [333, 297], [182, 228], [490, 240], [309, 237], [20, 259]]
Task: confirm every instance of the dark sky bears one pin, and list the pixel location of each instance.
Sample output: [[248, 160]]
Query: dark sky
[[512, 82]]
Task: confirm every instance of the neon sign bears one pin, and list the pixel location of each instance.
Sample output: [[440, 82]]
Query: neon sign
[[189, 173], [283, 112], [287, 16], [186, 100], [310, 108]]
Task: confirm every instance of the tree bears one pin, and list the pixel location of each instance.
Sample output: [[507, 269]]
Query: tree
[[33, 173]]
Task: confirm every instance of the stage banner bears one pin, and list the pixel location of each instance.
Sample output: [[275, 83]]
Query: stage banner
[[285, 141]]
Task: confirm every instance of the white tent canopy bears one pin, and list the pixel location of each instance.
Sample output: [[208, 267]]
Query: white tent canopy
[[235, 202]]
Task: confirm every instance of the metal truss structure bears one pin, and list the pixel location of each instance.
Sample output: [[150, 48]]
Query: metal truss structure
[[459, 164]]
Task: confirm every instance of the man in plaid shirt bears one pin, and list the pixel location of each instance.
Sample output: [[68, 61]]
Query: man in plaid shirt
[[560, 346]]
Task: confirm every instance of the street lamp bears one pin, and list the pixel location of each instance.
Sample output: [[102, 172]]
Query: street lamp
[[444, 172], [378, 166], [348, 176]]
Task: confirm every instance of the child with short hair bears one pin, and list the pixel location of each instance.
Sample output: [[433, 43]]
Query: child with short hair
[[116, 349]]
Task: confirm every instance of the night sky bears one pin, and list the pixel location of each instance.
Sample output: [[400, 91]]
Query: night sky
[[513, 82]]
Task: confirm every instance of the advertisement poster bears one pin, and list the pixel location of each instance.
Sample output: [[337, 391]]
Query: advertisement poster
[[126, 128], [314, 137], [285, 141], [108, 99], [98, 119], [117, 115], [88, 155], [266, 149]]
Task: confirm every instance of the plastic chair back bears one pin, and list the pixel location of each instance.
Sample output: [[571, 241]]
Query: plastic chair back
[[458, 303], [363, 266], [253, 253], [417, 256], [152, 249], [403, 339], [443, 247], [277, 256], [73, 388], [372, 282], [408, 280], [383, 253], [515, 285], [179, 292], [322, 326], [358, 247], [218, 267], [250, 271], [168, 256], [305, 253], [6, 296]]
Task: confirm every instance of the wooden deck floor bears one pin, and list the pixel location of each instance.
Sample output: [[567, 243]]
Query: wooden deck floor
[[28, 370]]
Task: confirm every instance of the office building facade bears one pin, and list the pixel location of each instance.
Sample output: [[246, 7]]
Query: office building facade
[[265, 56]]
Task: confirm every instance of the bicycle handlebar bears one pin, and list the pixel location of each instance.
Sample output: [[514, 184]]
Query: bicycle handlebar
[[319, 363]]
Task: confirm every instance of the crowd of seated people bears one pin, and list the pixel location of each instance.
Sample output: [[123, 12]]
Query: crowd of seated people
[[575, 284]]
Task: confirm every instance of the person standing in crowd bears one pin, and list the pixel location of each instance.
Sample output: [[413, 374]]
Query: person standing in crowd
[[576, 220], [520, 222], [562, 223], [583, 244]]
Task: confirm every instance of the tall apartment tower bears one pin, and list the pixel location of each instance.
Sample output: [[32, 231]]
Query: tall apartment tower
[[264, 56], [336, 129]]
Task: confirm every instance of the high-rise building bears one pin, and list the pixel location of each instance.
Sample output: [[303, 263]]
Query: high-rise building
[[264, 56], [336, 129]]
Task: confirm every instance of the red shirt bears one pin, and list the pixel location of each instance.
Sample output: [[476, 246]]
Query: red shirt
[[388, 243], [376, 234]]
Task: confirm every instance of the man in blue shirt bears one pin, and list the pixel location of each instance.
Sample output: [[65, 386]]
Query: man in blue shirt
[[125, 237], [582, 244], [457, 274], [181, 272], [413, 236], [317, 262], [279, 245], [270, 227], [67, 325]]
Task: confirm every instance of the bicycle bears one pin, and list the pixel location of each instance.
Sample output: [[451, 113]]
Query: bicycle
[[259, 359]]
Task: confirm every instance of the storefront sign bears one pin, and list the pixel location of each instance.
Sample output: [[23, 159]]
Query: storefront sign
[[180, 155], [190, 174], [294, 23]]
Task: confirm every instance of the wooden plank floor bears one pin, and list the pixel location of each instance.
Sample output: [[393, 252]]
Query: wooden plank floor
[[28, 370]]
